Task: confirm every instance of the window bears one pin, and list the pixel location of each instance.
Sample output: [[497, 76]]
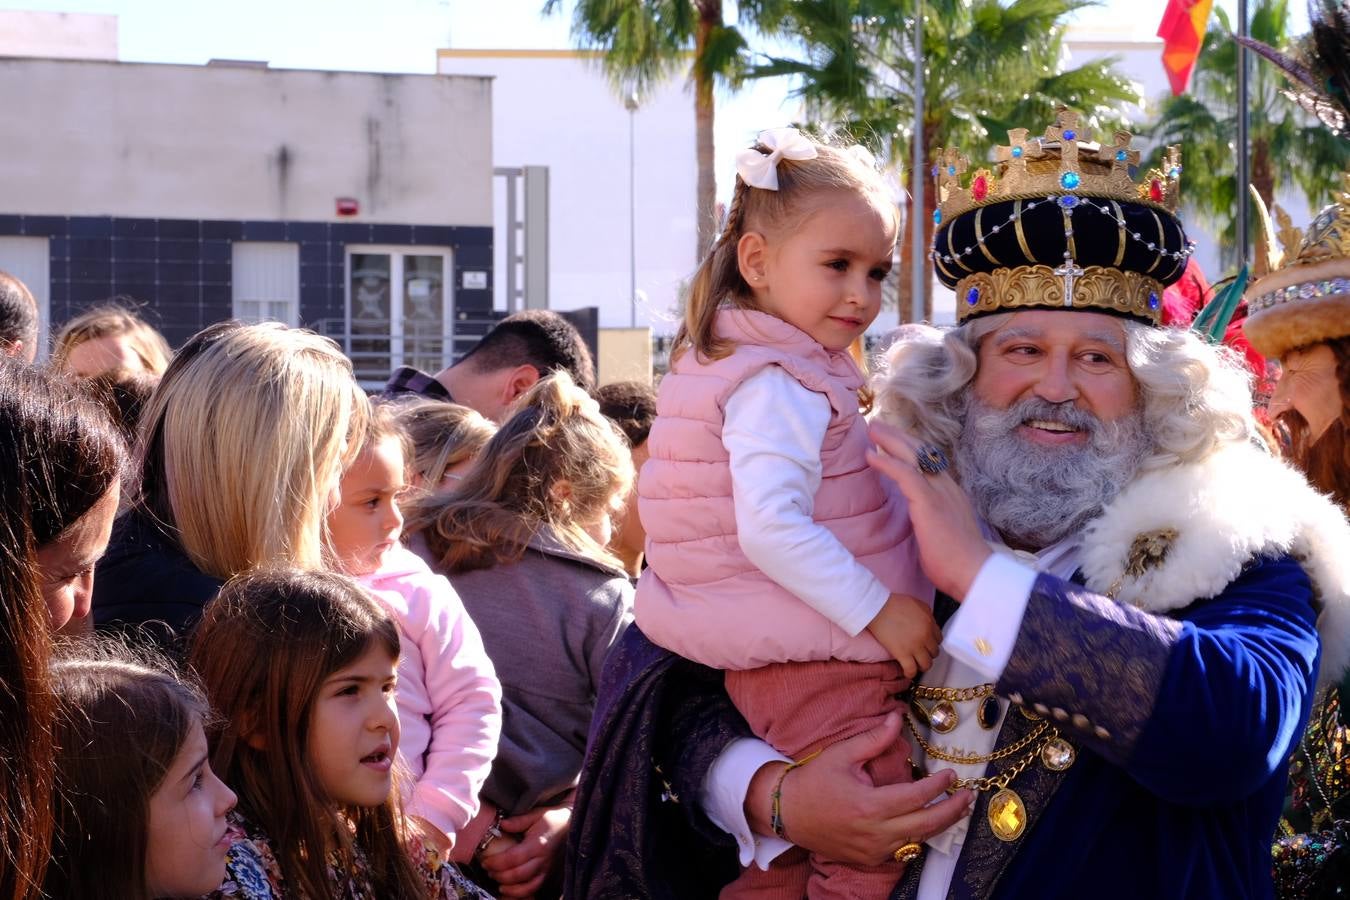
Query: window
[[267, 282], [29, 260]]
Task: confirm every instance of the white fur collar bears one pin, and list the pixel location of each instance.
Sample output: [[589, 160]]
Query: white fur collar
[[1184, 532]]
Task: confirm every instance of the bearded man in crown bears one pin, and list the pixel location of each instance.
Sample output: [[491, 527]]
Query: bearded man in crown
[[1131, 588]]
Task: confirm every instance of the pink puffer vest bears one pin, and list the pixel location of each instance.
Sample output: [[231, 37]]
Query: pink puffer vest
[[701, 597]]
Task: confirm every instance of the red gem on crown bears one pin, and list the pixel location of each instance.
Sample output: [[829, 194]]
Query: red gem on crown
[[979, 188], [1155, 191]]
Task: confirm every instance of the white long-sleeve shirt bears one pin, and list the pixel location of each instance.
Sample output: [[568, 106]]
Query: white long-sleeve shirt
[[773, 431]]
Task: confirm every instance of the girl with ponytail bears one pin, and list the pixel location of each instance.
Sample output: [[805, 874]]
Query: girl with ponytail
[[523, 540]]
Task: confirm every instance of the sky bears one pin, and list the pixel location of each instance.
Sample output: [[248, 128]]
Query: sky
[[380, 35]]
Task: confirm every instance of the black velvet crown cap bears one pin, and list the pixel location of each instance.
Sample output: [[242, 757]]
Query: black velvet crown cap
[[1061, 223]]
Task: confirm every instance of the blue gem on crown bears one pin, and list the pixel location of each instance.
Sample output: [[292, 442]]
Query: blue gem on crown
[[972, 296], [1153, 300], [1070, 181], [937, 217], [1068, 201], [1070, 135], [1017, 152], [1122, 155]]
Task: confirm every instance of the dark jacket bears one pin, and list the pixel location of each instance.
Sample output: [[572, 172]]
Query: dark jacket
[[145, 581]]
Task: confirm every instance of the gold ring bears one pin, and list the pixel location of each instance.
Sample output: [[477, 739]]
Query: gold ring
[[908, 852]]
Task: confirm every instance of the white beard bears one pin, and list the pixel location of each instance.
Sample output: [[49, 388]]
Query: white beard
[[1035, 495]]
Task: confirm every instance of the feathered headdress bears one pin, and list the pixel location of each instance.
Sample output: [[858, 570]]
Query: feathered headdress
[[1319, 65]]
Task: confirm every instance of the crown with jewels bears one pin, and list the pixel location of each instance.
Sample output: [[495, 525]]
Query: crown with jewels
[[1305, 298], [1061, 164], [1059, 223]]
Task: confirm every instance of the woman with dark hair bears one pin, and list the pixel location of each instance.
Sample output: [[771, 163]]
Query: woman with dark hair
[[1300, 315], [60, 465]]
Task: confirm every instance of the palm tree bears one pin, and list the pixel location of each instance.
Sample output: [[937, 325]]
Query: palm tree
[[645, 41], [1288, 146], [991, 65]]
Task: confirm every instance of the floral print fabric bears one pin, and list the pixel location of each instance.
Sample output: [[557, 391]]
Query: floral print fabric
[[252, 872]]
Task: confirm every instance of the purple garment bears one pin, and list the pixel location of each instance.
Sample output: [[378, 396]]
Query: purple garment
[[407, 380]]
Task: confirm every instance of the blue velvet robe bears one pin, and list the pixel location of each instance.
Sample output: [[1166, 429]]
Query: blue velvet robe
[[1183, 725]]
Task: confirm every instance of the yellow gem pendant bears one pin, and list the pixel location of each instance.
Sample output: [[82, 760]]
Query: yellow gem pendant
[[1007, 815]]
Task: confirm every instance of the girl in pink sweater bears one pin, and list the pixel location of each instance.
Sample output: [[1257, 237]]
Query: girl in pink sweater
[[775, 551], [449, 699]]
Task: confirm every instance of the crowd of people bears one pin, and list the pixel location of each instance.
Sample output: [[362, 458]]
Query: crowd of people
[[1049, 605]]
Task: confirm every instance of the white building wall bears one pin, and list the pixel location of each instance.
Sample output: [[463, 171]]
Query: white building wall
[[554, 108], [230, 142]]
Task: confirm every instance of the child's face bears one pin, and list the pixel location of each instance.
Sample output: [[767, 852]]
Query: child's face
[[825, 276], [366, 523], [187, 836], [354, 731]]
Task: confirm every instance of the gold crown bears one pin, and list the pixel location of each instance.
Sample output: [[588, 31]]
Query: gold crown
[[1305, 298], [1327, 236], [1064, 162]]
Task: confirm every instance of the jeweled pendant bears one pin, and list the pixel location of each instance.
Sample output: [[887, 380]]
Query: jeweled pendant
[[987, 714], [1057, 754], [943, 717], [1007, 815]]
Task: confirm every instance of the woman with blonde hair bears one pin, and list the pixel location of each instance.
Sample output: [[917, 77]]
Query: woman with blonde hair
[[242, 448], [109, 337], [523, 539]]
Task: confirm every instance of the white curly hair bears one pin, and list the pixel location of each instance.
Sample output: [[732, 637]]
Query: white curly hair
[[1194, 397]]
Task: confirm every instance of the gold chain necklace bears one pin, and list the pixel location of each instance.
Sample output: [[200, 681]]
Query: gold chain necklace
[[957, 695], [977, 758], [1006, 812]]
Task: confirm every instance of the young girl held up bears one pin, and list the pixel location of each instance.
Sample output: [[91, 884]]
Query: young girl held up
[[524, 538], [449, 699], [300, 667], [776, 553], [139, 812]]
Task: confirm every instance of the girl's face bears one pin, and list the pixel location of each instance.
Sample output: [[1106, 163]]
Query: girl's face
[[67, 563], [825, 276], [367, 522], [354, 730], [104, 354], [1309, 385], [185, 856]]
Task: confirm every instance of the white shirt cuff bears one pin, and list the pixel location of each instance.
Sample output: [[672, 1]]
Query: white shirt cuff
[[983, 631], [724, 790]]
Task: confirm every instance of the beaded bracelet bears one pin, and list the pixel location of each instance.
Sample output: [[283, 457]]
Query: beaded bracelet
[[776, 808]]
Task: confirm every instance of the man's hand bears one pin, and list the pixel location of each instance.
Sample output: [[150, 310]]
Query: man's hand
[[831, 807], [906, 628], [535, 839]]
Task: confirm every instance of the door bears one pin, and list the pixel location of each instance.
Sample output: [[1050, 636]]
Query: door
[[400, 310]]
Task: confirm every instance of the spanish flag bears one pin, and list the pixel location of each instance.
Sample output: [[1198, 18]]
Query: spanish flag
[[1183, 33]]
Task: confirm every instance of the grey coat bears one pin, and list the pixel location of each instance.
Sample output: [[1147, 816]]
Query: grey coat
[[548, 622]]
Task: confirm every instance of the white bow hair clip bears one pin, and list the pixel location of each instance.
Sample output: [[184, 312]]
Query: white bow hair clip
[[760, 169]]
